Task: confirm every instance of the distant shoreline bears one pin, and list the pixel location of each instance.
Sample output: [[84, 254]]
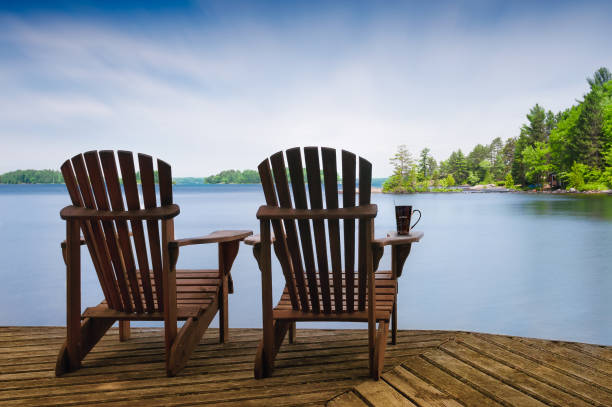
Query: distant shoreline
[[484, 189], [476, 189]]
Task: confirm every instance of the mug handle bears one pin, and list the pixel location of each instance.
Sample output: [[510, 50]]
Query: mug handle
[[415, 223]]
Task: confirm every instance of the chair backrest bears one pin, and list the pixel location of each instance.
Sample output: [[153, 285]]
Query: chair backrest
[[93, 182], [309, 284]]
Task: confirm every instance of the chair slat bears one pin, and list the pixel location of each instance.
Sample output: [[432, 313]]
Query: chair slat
[[92, 161], [147, 179], [349, 163], [281, 245], [111, 175], [165, 182], [296, 171], [78, 163], [130, 187], [330, 177], [313, 174], [284, 199], [365, 181], [77, 200]]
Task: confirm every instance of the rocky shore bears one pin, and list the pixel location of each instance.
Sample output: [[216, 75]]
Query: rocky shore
[[495, 188]]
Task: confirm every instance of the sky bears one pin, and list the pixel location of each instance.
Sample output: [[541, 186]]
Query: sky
[[213, 85]]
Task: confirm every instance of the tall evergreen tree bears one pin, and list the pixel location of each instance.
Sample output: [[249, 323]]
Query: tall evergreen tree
[[586, 144], [457, 166], [402, 161], [536, 129], [423, 164], [601, 76]]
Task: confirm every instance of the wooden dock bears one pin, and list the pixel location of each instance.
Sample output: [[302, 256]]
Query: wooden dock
[[424, 368], [493, 370]]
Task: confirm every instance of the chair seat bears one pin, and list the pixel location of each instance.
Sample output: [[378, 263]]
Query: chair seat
[[196, 290], [386, 289]]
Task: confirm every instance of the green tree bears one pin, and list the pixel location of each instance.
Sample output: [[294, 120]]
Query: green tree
[[432, 167], [536, 129], [575, 177], [449, 181], [476, 156], [586, 142], [484, 172], [495, 149], [404, 178], [472, 178], [509, 183], [600, 77], [457, 166], [504, 160], [536, 159], [562, 154], [423, 160], [401, 161]]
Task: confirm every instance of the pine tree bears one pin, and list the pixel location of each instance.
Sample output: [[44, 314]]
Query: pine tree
[[423, 161], [601, 76], [402, 161], [586, 142]]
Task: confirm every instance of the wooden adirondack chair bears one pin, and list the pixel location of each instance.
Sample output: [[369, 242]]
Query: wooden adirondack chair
[[116, 239], [313, 291]]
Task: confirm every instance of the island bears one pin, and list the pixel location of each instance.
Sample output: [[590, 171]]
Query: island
[[567, 151]]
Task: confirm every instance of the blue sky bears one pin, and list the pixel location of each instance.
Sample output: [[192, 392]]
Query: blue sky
[[215, 85]]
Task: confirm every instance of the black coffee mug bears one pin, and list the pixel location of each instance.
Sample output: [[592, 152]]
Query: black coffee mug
[[403, 215]]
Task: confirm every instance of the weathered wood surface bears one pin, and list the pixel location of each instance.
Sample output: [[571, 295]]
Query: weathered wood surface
[[425, 368], [320, 365], [493, 370]]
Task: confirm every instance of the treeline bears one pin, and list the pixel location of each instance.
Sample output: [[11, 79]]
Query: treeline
[[249, 177], [32, 177], [46, 177], [568, 149], [234, 177]]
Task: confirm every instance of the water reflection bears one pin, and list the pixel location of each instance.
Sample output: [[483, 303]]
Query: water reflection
[[589, 206]]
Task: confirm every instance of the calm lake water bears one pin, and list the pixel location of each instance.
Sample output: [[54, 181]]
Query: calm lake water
[[518, 264]]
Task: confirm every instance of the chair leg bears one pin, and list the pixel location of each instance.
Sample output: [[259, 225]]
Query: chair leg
[[292, 332], [91, 331], [264, 364], [187, 339], [379, 352], [124, 331], [371, 347], [223, 312], [394, 324]]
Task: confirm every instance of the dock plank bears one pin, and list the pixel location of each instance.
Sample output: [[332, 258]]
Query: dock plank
[[515, 377], [380, 394], [483, 369], [482, 381], [417, 389], [425, 368], [568, 367]]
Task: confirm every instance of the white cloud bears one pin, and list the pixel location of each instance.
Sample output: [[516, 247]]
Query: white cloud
[[216, 97]]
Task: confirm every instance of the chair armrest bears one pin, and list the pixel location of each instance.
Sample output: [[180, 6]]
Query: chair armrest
[[393, 239], [357, 212], [219, 236], [400, 244], [254, 240], [162, 212]]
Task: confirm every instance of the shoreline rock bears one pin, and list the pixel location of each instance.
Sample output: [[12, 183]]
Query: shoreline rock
[[490, 188]]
